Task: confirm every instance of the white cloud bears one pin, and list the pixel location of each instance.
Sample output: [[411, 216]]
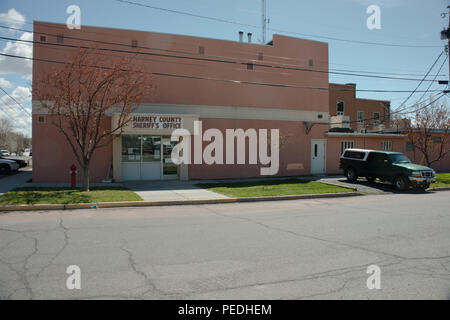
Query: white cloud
[[9, 65], [5, 83], [20, 119], [13, 18]]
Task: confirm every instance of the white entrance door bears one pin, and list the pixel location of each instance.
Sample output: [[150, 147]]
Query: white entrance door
[[318, 156], [141, 157]]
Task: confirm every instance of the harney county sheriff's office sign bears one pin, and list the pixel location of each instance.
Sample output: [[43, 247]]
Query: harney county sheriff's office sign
[[156, 122]]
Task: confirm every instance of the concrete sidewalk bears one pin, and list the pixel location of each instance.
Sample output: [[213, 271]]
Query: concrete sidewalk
[[175, 190], [171, 190]]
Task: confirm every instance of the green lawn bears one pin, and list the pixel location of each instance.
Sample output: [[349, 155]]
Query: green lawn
[[443, 180], [272, 188], [66, 195]]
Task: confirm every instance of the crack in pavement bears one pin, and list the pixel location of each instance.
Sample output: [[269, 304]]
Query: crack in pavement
[[398, 259], [23, 275], [334, 242], [65, 231], [134, 266], [314, 276]]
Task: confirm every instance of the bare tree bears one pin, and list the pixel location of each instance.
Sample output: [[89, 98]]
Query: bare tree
[[428, 131], [11, 140], [82, 95], [5, 129]]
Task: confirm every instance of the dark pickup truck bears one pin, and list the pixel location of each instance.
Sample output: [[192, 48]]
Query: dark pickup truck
[[394, 167]]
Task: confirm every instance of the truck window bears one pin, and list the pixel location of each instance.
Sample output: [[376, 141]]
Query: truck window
[[379, 158], [354, 155]]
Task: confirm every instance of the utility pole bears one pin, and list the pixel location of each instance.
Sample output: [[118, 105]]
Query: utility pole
[[264, 21], [445, 35]]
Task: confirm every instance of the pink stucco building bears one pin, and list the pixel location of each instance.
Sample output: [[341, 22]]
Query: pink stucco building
[[223, 84]]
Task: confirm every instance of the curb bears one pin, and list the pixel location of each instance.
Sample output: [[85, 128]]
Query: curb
[[439, 189], [74, 206]]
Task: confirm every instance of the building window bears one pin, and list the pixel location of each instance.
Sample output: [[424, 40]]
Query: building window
[[311, 62], [43, 39], [409, 146], [41, 119], [134, 43], [346, 145], [201, 50], [340, 108], [376, 118], [260, 56], [386, 145], [249, 66], [60, 38], [141, 148], [437, 139], [360, 117]]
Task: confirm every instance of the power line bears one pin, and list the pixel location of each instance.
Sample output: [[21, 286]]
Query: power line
[[240, 82], [429, 87], [396, 112], [205, 59], [188, 14], [227, 80], [277, 30], [256, 27], [424, 107], [415, 90], [354, 41], [344, 72], [400, 109], [17, 102]]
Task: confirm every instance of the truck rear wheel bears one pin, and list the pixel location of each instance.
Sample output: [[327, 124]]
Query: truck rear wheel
[[351, 174]]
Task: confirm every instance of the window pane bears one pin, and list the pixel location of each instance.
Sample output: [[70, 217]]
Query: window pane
[[131, 149], [340, 108], [361, 116], [151, 148], [169, 168], [409, 146], [376, 118]]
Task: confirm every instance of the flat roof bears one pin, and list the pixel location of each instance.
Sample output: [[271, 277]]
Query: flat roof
[[358, 134], [267, 44]]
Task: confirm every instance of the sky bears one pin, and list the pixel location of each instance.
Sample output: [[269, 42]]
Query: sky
[[402, 22]]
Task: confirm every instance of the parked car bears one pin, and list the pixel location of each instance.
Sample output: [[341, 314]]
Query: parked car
[[27, 152], [6, 166], [4, 153], [22, 163], [393, 167]]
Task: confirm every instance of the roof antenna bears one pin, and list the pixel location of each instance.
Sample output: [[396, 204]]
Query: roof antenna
[[264, 21]]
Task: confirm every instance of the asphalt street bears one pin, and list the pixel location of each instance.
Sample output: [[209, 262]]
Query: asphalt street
[[298, 249]]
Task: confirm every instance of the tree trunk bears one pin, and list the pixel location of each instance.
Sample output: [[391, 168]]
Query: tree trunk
[[86, 177]]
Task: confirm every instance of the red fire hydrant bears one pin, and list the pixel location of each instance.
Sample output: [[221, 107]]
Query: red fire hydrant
[[73, 176]]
